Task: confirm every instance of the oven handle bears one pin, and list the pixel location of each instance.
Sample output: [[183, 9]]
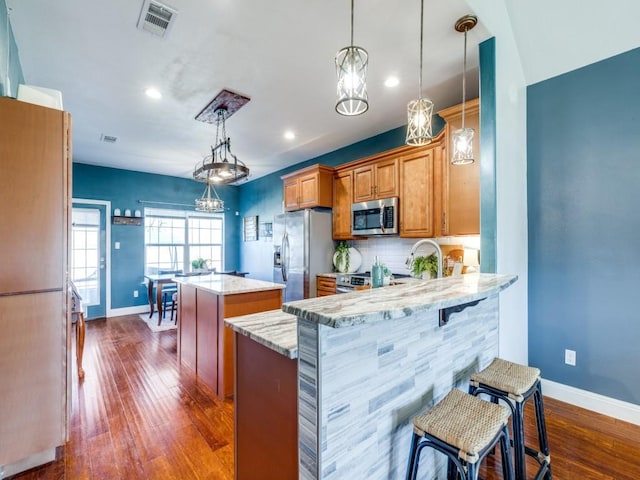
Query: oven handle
[[344, 290]]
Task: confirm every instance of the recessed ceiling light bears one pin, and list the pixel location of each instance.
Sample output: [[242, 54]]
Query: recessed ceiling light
[[289, 135], [153, 93], [391, 82]]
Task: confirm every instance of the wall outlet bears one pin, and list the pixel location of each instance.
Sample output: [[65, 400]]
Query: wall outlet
[[135, 295], [570, 357]]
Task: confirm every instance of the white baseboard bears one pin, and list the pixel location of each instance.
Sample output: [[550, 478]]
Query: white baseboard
[[116, 312], [627, 412]]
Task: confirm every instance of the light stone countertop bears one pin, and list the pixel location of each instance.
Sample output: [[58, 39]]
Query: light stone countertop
[[274, 329], [227, 284], [397, 301]]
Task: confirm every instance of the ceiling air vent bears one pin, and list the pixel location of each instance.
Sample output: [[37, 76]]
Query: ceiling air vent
[[108, 138], [156, 18]]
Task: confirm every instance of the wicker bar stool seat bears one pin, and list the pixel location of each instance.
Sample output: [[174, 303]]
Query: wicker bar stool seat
[[516, 384], [465, 429]]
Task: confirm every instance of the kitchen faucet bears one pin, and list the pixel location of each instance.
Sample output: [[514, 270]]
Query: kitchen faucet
[[409, 262]]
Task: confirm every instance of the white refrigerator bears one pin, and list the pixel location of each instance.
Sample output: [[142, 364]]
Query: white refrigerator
[[303, 248]]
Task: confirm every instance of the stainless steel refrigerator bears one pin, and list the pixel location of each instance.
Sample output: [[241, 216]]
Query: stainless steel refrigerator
[[303, 248]]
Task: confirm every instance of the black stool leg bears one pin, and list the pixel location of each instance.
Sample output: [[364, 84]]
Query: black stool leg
[[518, 441], [542, 429], [505, 452], [412, 467]]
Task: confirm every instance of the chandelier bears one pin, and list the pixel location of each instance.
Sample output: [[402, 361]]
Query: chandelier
[[420, 111], [351, 68], [463, 137], [218, 168], [209, 204]]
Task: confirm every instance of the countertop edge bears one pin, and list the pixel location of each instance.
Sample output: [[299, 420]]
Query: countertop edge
[[445, 300], [236, 284], [254, 325]]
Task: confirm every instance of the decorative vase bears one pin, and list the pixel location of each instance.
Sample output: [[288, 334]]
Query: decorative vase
[[355, 260]]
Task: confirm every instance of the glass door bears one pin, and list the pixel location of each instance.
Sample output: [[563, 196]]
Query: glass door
[[88, 256]]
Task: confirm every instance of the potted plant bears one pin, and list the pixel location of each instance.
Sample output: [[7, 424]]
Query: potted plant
[[346, 259], [425, 267], [199, 265], [341, 257]]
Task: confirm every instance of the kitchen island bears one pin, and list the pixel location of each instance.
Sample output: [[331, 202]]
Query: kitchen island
[[204, 345], [369, 361]]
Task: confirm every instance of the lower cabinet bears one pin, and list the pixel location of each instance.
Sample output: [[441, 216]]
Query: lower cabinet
[[266, 406], [205, 345], [325, 286]]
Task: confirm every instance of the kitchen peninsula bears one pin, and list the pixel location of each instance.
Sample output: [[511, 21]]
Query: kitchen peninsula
[[204, 345], [371, 360]]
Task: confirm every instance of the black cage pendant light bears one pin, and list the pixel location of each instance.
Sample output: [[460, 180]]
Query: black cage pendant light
[[462, 139], [420, 111], [351, 68]]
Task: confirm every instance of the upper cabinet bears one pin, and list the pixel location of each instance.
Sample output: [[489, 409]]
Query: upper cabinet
[[375, 180], [308, 188], [417, 190], [342, 200], [460, 183]]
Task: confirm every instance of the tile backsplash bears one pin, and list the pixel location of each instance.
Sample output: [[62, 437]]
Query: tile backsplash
[[393, 251]]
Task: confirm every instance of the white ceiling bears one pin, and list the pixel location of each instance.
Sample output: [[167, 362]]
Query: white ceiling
[[278, 52], [281, 54]]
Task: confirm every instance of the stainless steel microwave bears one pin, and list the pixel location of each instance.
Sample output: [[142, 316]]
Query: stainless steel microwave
[[378, 217]]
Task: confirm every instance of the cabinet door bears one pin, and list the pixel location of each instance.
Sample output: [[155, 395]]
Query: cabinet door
[[291, 194], [32, 390], [461, 183], [342, 200], [417, 199], [33, 197], [187, 326], [363, 182], [386, 178], [207, 338], [308, 190]]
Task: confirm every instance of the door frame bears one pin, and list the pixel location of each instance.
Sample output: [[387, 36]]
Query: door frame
[[107, 221]]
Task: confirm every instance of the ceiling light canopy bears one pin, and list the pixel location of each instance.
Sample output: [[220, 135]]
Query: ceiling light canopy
[[420, 111], [351, 67], [462, 151], [222, 166]]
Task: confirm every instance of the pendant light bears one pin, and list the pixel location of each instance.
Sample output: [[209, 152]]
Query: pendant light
[[462, 138], [351, 68], [208, 203], [420, 111]]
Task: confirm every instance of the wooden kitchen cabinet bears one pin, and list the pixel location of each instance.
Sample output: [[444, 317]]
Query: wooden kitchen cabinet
[[417, 191], [325, 285], [308, 188], [460, 213], [342, 200], [376, 180]]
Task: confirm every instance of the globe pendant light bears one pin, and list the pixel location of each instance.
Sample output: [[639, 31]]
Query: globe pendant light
[[462, 138], [351, 68], [420, 111]]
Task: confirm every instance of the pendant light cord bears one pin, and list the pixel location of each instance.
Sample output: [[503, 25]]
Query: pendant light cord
[[421, 30], [352, 22], [464, 75]]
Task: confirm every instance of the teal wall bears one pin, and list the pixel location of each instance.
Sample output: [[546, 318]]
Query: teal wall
[[584, 226], [123, 188], [264, 196], [15, 69]]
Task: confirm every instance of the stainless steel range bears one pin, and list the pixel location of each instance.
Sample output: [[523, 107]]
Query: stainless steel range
[[350, 282]]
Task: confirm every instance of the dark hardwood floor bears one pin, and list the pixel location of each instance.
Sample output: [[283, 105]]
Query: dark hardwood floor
[[138, 416]]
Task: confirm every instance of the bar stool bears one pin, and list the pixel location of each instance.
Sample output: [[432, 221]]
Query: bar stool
[[516, 384], [465, 429]]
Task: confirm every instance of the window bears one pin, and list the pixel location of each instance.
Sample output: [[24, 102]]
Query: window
[[85, 253], [173, 238]]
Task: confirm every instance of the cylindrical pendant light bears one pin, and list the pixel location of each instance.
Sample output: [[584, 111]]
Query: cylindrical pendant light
[[420, 111], [462, 139], [351, 68]]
